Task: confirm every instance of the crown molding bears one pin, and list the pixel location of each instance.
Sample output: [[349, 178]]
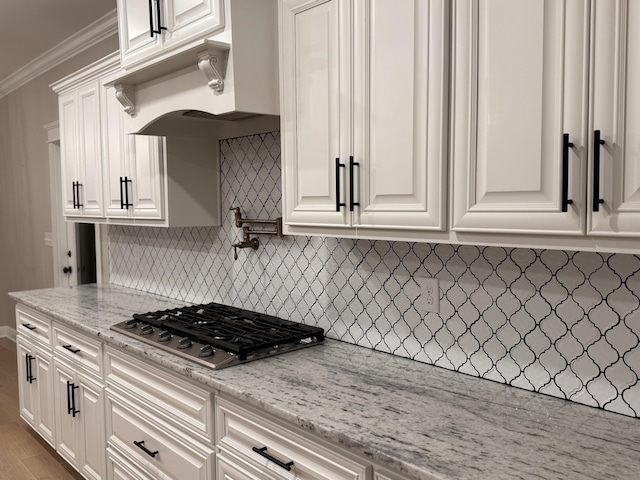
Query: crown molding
[[89, 36]]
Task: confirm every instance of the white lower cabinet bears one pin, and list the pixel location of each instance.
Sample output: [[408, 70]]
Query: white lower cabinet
[[159, 425], [35, 388], [79, 416], [158, 449], [116, 416], [254, 446]]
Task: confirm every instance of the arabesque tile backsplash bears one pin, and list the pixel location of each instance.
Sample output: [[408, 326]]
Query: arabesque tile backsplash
[[561, 323]]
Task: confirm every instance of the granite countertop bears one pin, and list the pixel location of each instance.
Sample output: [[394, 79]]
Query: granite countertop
[[424, 421]]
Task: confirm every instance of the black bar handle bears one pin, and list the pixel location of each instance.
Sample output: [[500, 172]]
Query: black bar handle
[[30, 376], [141, 446], [597, 141], [352, 165], [78, 204], [71, 349], [28, 365], [566, 145], [338, 202], [73, 192], [74, 387], [121, 194], [69, 407], [151, 29], [158, 19], [127, 180], [28, 326], [263, 452]]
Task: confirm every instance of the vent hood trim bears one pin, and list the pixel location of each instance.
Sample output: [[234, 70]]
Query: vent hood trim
[[211, 58]]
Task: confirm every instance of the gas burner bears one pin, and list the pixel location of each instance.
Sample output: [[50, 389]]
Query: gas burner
[[219, 335]]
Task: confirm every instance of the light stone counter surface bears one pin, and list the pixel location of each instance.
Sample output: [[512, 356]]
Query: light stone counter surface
[[426, 422]]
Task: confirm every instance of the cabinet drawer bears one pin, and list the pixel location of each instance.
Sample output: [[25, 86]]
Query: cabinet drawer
[[156, 447], [119, 468], [78, 349], [272, 447], [183, 404], [33, 325]]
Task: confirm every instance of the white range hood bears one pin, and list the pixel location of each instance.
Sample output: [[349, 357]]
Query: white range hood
[[229, 79]]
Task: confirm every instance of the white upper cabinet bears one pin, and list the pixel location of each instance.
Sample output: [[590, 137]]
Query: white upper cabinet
[[149, 28], [133, 166], [518, 87], [614, 187], [400, 114], [535, 85], [316, 104], [80, 139], [363, 92]]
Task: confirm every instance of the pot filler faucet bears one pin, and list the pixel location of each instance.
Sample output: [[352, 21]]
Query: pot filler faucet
[[247, 241]]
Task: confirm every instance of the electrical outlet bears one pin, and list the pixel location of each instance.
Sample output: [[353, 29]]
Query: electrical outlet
[[429, 300]]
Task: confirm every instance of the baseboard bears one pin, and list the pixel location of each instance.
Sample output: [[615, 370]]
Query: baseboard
[[9, 332]]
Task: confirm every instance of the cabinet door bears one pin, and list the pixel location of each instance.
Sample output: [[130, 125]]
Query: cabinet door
[[68, 114], [27, 394], [189, 20], [519, 79], [147, 189], [68, 432], [116, 156], [316, 102], [91, 416], [616, 114], [45, 419], [135, 21], [400, 84], [90, 152]]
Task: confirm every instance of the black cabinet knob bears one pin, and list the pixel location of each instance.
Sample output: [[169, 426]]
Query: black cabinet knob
[[67, 270]]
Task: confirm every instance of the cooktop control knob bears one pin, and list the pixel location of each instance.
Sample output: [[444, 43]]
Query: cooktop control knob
[[146, 330], [206, 351], [164, 336], [184, 343], [131, 324]]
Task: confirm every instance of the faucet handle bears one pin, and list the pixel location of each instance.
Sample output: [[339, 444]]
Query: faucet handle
[[238, 216]]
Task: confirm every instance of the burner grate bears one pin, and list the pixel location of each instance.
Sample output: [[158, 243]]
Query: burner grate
[[232, 329]]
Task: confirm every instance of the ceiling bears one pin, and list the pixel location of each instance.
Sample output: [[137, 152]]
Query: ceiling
[[28, 28]]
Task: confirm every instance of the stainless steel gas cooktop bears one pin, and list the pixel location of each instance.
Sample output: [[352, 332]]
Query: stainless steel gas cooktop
[[219, 336]]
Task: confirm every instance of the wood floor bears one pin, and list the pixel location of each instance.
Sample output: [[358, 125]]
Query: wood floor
[[23, 453]]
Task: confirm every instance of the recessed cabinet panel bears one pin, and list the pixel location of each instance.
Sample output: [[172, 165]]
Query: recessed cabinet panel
[[518, 87], [147, 191], [116, 154], [312, 76], [89, 192], [92, 405], [69, 439], [187, 18], [26, 389], [134, 22], [400, 118], [616, 114], [68, 113], [45, 420]]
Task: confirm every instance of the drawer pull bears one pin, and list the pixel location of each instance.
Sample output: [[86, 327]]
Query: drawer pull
[[28, 326], [71, 399], [30, 377], [141, 446], [71, 349], [263, 452]]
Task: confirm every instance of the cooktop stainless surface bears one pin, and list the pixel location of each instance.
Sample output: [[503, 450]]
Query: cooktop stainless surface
[[219, 335]]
